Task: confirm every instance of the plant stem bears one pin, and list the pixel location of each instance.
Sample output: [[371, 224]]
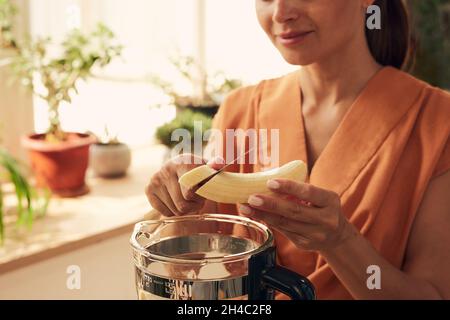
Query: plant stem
[[54, 132]]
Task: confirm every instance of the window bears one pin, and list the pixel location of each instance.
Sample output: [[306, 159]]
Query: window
[[223, 35]]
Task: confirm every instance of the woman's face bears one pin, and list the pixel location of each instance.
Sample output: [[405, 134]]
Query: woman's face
[[308, 31]]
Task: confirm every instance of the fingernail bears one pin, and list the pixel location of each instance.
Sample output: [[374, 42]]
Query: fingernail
[[245, 210], [255, 201], [273, 184]]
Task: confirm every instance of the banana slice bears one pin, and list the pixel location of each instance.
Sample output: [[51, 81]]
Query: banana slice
[[229, 187]]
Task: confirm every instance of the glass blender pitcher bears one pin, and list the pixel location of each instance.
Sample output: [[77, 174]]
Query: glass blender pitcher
[[210, 257]]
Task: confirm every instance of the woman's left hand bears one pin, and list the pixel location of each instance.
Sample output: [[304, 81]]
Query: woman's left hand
[[310, 217]]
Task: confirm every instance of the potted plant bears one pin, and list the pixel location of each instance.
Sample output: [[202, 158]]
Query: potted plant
[[60, 158], [7, 13], [8, 46], [186, 120], [31, 202], [207, 92], [109, 158]]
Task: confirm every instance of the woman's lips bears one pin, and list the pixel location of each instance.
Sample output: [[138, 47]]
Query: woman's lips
[[293, 38]]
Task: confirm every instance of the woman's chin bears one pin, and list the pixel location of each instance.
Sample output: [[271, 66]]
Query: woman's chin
[[298, 59]]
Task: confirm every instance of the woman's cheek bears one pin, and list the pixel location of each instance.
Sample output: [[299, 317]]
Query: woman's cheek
[[265, 21], [334, 19]]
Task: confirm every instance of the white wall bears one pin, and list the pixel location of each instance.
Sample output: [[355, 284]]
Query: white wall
[[16, 104], [16, 114], [236, 43]]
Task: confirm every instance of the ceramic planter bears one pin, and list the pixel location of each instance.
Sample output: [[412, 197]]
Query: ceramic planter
[[110, 160]]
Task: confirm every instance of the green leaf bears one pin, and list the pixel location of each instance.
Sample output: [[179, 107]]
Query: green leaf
[[27, 197], [184, 120], [26, 190], [81, 53], [14, 176]]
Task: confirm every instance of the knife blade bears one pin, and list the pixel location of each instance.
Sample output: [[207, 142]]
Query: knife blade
[[204, 181]]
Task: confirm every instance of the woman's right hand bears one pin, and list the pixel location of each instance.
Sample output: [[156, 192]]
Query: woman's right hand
[[165, 193]]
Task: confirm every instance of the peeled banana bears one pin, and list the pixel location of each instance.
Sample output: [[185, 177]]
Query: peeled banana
[[228, 187]]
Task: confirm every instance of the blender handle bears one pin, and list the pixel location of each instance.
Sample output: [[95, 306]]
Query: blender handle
[[265, 276], [288, 282]]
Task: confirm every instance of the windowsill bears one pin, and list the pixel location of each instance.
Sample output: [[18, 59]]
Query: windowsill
[[111, 208]]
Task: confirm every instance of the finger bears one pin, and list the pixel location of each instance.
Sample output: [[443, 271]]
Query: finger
[[190, 195], [304, 191], [303, 236], [151, 192], [165, 181], [282, 223], [290, 209], [158, 205], [217, 163], [183, 206], [185, 163], [163, 194]]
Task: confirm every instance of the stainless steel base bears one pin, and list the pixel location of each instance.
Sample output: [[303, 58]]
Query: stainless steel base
[[165, 288]]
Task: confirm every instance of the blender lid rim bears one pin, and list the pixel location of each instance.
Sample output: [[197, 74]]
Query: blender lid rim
[[216, 217]]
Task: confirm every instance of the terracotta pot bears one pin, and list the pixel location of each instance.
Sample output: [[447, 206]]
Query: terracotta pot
[[60, 166]]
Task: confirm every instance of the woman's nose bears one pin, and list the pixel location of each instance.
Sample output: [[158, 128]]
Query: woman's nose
[[284, 10]]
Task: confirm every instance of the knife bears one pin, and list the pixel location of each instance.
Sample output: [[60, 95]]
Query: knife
[[204, 181]]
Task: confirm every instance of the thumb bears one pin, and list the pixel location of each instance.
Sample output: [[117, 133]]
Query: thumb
[[216, 163]]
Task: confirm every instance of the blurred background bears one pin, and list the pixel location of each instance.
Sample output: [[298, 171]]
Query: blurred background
[[220, 36], [127, 73]]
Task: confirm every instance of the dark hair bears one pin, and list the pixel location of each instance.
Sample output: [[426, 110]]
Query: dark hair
[[390, 45]]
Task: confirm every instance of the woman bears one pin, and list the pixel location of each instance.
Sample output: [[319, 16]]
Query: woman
[[376, 142]]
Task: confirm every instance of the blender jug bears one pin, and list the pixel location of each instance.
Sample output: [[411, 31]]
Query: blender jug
[[210, 257]]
